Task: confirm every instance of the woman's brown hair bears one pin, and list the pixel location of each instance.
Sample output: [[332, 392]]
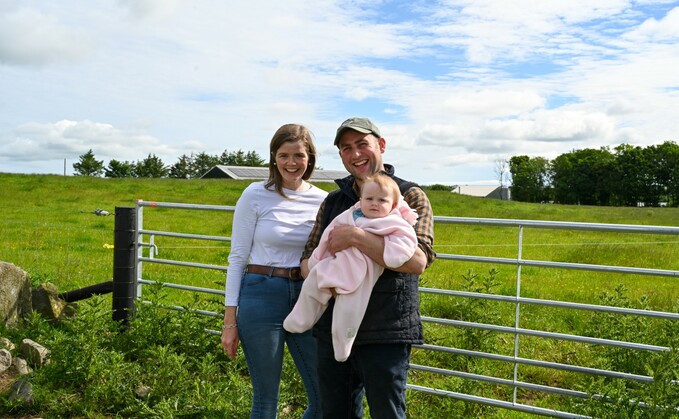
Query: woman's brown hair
[[284, 134]]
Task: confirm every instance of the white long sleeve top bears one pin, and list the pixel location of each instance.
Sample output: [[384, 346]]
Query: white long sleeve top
[[270, 230]]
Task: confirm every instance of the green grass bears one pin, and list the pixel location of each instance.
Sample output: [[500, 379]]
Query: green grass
[[47, 228]]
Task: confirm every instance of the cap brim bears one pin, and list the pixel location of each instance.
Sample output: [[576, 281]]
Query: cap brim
[[359, 129]]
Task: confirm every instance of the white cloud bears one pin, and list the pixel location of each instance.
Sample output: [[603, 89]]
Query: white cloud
[[358, 93], [470, 80], [466, 159], [70, 139], [150, 9], [544, 125], [448, 135], [29, 37], [491, 30], [493, 102], [565, 126], [664, 30]]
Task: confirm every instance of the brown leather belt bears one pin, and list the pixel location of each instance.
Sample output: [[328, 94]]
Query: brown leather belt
[[293, 274]]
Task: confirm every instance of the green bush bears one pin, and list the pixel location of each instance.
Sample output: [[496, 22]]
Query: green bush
[[618, 398], [98, 367], [437, 187]]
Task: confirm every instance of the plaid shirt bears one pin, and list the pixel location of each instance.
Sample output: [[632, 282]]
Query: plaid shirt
[[424, 228]]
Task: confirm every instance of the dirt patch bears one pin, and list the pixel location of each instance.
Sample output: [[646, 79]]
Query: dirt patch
[[7, 378]]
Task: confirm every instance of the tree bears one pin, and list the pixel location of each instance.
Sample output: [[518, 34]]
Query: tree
[[670, 152], [501, 169], [233, 158], [530, 178], [630, 171], [196, 165], [88, 165], [663, 162], [151, 166], [119, 169], [227, 158], [202, 162], [240, 158], [563, 179], [182, 169], [253, 159], [584, 177], [629, 176]]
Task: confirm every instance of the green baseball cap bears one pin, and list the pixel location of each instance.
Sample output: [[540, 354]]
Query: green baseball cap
[[363, 125]]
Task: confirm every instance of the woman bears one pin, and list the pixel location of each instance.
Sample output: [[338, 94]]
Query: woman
[[271, 224]]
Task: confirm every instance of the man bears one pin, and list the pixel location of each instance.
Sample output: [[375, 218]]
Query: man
[[378, 364]]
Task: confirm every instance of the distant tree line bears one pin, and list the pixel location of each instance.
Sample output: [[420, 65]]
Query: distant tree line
[[186, 167], [627, 176]]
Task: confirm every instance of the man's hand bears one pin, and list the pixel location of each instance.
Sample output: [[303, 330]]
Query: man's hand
[[343, 237], [304, 268]]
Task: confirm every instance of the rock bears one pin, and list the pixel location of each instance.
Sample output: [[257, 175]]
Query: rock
[[15, 294], [5, 360], [36, 354], [46, 301], [22, 390], [7, 344], [143, 391], [21, 366], [69, 311]]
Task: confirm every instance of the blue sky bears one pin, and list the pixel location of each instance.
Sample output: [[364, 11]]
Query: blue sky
[[455, 86]]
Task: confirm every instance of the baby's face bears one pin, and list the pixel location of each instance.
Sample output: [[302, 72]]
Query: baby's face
[[375, 202]]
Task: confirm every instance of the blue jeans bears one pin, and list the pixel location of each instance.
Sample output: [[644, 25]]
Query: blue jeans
[[264, 303], [379, 371]]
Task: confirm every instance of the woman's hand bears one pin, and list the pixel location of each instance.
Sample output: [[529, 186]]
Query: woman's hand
[[230, 341], [230, 337]]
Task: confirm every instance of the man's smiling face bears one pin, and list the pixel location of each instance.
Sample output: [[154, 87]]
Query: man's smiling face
[[361, 153]]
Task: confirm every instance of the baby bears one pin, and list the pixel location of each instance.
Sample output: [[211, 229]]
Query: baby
[[350, 273]]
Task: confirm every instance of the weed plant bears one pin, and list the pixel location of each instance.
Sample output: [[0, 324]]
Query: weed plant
[[160, 364], [618, 398]]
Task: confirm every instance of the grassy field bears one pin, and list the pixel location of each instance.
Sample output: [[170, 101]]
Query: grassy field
[[48, 229]]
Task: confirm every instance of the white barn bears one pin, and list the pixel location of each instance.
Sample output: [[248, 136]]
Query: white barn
[[483, 191], [262, 173]]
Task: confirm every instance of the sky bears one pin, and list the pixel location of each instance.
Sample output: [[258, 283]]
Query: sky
[[455, 86]]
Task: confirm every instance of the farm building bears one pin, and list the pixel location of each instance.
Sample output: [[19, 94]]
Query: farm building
[[483, 191], [247, 172]]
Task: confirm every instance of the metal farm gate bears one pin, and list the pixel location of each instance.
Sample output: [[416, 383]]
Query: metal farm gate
[[145, 252]]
